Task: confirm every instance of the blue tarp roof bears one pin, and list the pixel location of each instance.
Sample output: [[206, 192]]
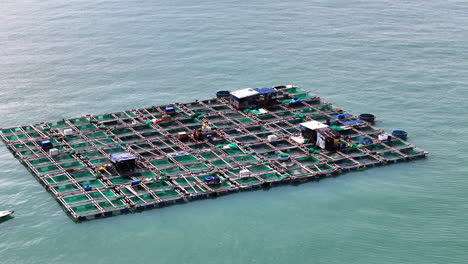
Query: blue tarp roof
[[118, 157], [352, 122], [265, 90], [338, 116]]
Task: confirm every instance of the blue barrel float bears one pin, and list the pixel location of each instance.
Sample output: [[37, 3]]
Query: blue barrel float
[[400, 134], [46, 144], [135, 182], [169, 109]]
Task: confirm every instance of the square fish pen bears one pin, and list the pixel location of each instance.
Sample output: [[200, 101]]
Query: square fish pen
[[185, 151]]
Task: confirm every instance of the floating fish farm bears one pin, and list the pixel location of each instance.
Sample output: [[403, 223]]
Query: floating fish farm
[[104, 165]]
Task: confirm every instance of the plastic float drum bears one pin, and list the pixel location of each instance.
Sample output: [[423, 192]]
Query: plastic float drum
[[367, 117], [400, 134]]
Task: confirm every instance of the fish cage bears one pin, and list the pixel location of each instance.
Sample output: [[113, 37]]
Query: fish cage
[[104, 165]]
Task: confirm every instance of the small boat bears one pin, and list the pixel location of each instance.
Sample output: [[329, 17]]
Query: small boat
[[4, 214]]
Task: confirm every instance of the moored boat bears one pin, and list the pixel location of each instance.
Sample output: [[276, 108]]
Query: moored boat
[[4, 214]]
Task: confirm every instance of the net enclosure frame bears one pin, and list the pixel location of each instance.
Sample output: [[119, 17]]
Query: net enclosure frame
[[248, 149]]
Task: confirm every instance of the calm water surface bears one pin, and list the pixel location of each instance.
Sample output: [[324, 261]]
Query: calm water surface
[[404, 61]]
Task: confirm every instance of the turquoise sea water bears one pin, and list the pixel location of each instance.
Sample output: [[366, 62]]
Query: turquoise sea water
[[404, 61]]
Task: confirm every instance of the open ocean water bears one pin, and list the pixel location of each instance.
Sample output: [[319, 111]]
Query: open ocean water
[[404, 61]]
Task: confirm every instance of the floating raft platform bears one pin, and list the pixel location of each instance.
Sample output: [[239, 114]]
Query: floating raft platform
[[73, 158]]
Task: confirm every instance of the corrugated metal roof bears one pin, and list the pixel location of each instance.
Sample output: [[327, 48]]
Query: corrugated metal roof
[[313, 125], [247, 92]]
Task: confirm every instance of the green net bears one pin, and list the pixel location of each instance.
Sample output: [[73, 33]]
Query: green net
[[391, 155], [186, 159], [308, 160], [197, 167], [85, 209], [60, 179], [170, 194], [410, 151], [66, 188], [92, 183], [76, 199], [82, 175], [162, 163], [272, 176], [245, 159], [248, 181], [89, 127], [72, 165], [259, 168], [173, 171], [48, 169]]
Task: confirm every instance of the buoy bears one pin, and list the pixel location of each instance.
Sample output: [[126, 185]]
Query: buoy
[[135, 182], [53, 151], [383, 137], [400, 134], [244, 173], [272, 138], [68, 132], [367, 117], [46, 144], [169, 109]]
